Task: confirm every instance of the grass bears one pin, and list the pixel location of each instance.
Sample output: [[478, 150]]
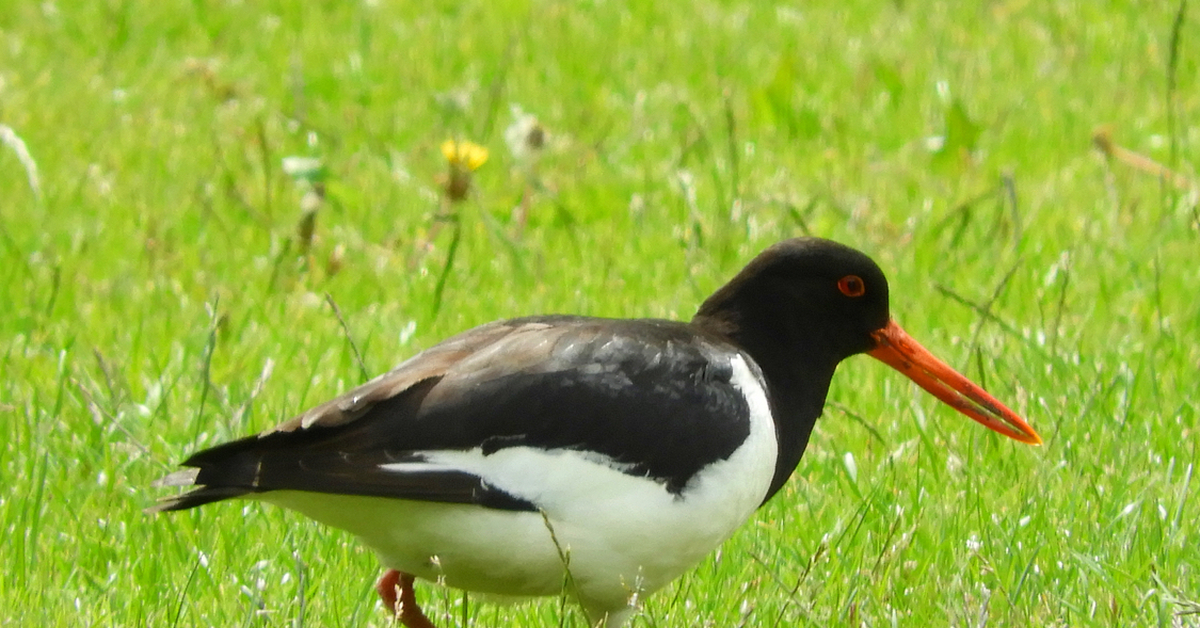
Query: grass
[[154, 300]]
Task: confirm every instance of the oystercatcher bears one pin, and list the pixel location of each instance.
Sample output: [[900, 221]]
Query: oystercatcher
[[597, 457]]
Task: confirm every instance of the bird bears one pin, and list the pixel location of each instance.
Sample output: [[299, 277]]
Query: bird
[[593, 457]]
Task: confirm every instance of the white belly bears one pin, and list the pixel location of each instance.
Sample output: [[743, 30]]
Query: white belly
[[617, 535]]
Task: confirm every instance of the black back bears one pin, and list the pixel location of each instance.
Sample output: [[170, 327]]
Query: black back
[[653, 397]]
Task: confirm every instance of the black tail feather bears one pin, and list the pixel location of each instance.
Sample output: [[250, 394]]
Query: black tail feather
[[198, 497]]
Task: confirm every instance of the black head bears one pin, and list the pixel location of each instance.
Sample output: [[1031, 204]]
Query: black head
[[825, 296], [798, 309], [804, 305]]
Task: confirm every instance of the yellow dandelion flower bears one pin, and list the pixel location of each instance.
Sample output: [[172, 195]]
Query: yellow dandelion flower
[[464, 154], [463, 157]]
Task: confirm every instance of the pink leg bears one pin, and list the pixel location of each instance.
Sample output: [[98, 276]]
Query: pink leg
[[396, 590]]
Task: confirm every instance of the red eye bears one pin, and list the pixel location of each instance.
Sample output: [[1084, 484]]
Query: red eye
[[852, 286]]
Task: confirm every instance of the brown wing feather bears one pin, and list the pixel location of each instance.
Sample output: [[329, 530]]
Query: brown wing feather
[[490, 345], [247, 465], [622, 389]]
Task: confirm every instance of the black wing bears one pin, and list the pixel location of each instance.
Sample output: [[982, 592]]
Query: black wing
[[655, 397]]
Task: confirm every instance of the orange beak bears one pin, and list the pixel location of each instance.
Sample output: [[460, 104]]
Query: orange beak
[[898, 350]]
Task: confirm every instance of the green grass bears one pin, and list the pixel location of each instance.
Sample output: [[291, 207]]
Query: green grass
[[152, 275]]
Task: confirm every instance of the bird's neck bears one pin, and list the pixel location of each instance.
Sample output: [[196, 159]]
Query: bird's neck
[[798, 366]]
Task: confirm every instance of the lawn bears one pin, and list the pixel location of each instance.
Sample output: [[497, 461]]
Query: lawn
[[1023, 171]]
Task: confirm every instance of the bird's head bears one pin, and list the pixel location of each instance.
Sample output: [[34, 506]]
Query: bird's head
[[833, 300]]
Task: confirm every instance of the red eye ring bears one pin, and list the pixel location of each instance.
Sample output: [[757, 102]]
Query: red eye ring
[[852, 286]]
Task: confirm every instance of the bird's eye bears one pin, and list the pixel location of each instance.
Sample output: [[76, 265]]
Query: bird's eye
[[852, 286]]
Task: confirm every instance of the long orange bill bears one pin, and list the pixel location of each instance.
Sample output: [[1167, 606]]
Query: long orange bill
[[898, 350]]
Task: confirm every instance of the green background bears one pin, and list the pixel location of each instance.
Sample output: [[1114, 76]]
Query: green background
[[155, 300]]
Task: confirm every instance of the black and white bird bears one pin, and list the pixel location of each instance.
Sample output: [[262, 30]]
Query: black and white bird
[[609, 455]]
